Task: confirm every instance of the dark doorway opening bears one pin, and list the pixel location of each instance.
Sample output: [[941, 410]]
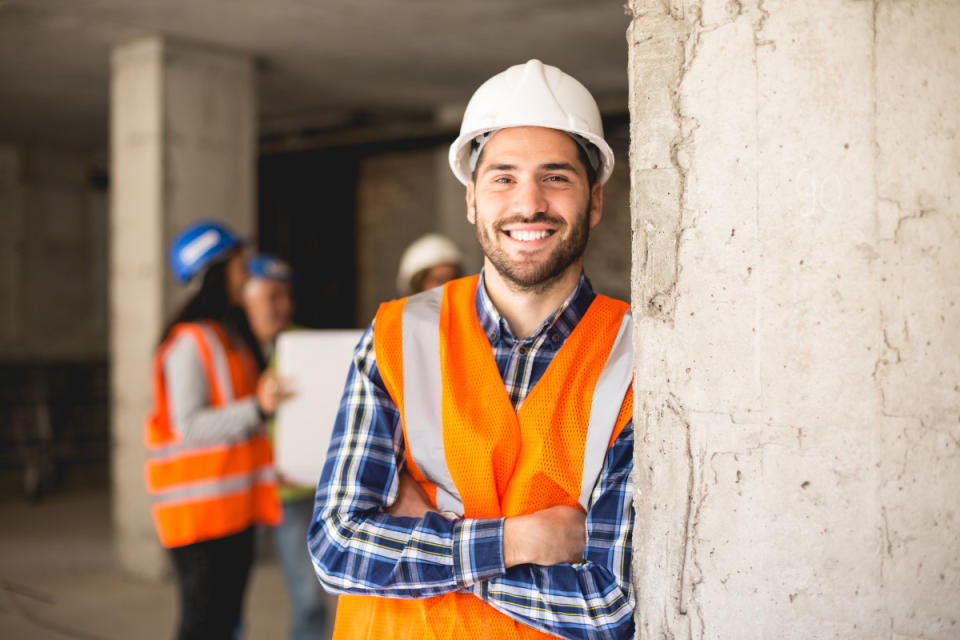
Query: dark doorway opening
[[307, 204], [307, 216]]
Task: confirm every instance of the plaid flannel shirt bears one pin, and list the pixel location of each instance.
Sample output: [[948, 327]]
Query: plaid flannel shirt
[[357, 548]]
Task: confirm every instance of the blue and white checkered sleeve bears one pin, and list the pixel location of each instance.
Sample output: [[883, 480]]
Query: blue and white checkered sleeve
[[478, 550], [355, 545]]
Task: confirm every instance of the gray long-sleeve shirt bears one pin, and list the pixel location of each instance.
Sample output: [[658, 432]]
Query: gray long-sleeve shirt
[[188, 401]]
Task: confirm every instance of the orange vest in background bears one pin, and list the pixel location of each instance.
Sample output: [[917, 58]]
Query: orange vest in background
[[473, 454], [207, 492]]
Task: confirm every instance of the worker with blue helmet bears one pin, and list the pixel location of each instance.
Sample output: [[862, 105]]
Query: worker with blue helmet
[[269, 303], [268, 298], [206, 430]]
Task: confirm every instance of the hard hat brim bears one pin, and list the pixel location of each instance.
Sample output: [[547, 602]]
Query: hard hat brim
[[459, 155]]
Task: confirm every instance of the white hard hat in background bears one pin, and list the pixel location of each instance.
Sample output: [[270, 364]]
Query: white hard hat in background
[[530, 95], [428, 251]]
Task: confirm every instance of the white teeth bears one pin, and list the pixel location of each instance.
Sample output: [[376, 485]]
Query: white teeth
[[527, 236]]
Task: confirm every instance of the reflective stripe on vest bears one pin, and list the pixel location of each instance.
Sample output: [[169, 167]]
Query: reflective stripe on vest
[[220, 486], [466, 444], [422, 401], [208, 492], [607, 397], [222, 378]]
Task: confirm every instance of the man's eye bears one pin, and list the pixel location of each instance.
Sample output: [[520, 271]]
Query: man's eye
[[557, 179], [502, 180]]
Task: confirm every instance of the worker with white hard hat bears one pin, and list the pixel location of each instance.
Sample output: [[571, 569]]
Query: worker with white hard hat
[[477, 483], [432, 260]]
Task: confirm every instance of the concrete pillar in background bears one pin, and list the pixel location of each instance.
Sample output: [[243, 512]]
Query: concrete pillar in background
[[183, 144], [451, 212], [451, 209], [796, 215]]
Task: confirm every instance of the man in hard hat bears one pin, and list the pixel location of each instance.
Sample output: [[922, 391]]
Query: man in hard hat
[[268, 302], [477, 483], [268, 299], [432, 260]]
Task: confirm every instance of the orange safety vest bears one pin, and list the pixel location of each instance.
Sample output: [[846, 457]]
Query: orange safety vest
[[473, 454], [207, 492]]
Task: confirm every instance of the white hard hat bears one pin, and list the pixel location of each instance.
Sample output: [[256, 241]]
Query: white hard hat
[[428, 251], [531, 95]]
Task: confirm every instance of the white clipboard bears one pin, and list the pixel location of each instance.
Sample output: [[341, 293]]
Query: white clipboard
[[314, 363]]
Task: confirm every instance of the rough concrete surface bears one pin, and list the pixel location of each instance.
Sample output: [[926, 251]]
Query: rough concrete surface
[[53, 222], [395, 206], [796, 178]]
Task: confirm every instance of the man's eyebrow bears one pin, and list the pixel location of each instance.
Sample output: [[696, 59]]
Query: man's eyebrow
[[558, 166], [549, 166], [500, 167]]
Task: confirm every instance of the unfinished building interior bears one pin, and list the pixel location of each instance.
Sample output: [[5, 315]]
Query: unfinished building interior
[[784, 218]]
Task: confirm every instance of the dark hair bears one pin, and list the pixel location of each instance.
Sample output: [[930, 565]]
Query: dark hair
[[581, 154], [211, 302]]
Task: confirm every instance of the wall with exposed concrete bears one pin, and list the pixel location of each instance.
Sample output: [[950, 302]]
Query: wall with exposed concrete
[[53, 262], [796, 211], [183, 145], [395, 206]]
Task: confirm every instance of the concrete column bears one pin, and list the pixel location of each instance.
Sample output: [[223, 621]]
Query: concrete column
[[796, 216], [451, 212], [451, 205], [183, 144]]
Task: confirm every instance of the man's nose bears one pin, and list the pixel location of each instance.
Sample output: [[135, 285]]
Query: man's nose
[[529, 199]]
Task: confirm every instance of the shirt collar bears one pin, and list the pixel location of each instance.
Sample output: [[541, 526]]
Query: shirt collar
[[560, 323]]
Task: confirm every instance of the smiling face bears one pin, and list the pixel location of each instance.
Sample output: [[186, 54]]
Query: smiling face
[[532, 206]]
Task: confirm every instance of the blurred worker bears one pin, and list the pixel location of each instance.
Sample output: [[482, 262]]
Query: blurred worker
[[268, 299], [477, 483], [210, 464], [429, 262]]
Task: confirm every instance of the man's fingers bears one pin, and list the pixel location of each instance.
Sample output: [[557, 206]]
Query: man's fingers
[[547, 537], [412, 500]]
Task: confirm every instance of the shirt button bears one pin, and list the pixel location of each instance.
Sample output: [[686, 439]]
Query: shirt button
[[522, 350], [555, 338]]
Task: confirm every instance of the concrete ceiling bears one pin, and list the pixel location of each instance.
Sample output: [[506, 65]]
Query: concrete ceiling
[[325, 64]]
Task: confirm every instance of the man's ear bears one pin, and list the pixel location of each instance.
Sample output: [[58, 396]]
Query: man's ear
[[471, 203], [596, 204]]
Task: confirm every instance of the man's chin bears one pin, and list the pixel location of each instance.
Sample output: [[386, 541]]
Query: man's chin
[[532, 278]]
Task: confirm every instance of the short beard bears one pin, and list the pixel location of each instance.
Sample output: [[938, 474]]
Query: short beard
[[542, 277]]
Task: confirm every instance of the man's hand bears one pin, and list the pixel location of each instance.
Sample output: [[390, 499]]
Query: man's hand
[[411, 501], [551, 536]]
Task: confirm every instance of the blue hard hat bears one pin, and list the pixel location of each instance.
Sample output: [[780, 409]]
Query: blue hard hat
[[198, 246], [269, 267]]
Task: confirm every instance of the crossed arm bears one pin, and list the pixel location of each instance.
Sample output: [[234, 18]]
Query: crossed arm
[[374, 533], [545, 537]]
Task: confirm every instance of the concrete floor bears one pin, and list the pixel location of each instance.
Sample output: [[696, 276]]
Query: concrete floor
[[59, 579]]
